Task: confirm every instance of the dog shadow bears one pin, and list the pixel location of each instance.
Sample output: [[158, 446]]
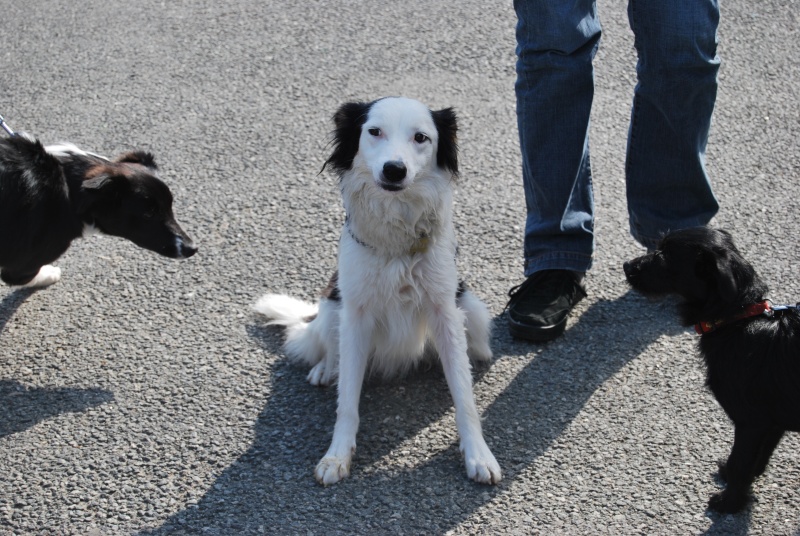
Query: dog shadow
[[24, 407], [730, 525], [395, 484], [11, 302]]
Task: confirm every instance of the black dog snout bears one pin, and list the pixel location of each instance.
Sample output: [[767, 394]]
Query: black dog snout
[[187, 249], [627, 267], [394, 171]]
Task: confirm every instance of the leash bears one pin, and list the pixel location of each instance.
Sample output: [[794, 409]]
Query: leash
[[779, 308], [6, 127]]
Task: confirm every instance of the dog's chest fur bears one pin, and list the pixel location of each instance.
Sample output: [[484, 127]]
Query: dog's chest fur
[[386, 273], [392, 225]]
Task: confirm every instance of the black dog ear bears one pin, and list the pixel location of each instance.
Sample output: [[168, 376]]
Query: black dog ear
[[726, 280], [717, 267], [348, 120], [138, 157], [101, 183], [447, 152]]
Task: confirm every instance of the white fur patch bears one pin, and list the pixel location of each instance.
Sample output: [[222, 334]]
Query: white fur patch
[[47, 275], [64, 149], [90, 230]]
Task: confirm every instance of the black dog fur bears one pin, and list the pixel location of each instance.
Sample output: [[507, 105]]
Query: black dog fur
[[753, 364], [47, 200]]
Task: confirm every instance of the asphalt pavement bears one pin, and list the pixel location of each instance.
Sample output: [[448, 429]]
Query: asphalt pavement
[[141, 396]]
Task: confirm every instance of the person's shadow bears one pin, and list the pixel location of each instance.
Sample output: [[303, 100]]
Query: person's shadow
[[404, 475]]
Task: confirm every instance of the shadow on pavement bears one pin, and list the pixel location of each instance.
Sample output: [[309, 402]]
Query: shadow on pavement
[[23, 407], [10, 304], [271, 488]]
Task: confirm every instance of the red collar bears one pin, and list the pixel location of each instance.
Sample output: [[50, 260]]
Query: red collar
[[748, 311]]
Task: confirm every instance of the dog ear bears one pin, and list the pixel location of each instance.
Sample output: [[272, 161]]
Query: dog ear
[[726, 281], [348, 120], [447, 151], [101, 183], [718, 267], [138, 157]]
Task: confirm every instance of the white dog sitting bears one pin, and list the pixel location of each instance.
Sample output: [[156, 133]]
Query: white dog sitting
[[396, 289]]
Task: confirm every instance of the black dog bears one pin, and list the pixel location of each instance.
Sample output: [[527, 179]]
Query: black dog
[[751, 350], [51, 196]]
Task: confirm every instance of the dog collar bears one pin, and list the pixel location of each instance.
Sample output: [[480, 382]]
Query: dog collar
[[420, 244], [754, 309]]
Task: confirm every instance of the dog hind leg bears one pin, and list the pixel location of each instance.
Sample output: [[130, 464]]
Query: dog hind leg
[[303, 323], [326, 334], [478, 324]]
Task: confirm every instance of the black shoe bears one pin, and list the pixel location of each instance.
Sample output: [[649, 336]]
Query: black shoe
[[538, 308]]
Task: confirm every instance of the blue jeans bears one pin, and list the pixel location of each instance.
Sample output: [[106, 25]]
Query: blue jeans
[[667, 185]]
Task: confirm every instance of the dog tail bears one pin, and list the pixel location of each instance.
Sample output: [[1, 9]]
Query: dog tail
[[304, 340]]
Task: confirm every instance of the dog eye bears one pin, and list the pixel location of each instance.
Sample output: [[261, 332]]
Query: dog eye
[[374, 131], [419, 137]]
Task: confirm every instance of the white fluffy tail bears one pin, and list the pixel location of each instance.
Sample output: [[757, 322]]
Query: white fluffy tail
[[284, 310], [303, 343]]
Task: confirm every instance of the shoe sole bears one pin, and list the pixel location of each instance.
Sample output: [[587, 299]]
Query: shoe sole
[[537, 333]]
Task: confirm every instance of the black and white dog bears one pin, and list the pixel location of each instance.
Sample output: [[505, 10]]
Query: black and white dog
[[751, 348], [396, 290], [52, 195]]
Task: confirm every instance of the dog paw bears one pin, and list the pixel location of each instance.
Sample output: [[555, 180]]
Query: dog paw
[[482, 466], [727, 503], [480, 353], [320, 375], [47, 276], [331, 470]]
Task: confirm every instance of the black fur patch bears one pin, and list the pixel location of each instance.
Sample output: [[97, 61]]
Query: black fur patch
[[447, 152], [462, 288], [348, 120], [138, 157], [331, 292]]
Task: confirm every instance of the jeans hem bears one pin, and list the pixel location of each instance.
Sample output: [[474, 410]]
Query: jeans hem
[[565, 260]]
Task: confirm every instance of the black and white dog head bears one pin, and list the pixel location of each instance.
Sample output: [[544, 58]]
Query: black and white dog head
[[123, 197], [703, 267], [394, 140]]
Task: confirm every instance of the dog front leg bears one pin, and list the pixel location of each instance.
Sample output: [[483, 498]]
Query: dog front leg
[[739, 470], [768, 445], [451, 344], [44, 276], [355, 331]]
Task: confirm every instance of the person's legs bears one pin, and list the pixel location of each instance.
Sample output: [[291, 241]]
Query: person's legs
[[667, 184], [556, 42]]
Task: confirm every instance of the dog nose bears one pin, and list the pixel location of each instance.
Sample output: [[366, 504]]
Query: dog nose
[[394, 171], [627, 267], [186, 248]]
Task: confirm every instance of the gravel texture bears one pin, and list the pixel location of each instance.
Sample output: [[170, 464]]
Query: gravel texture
[[141, 396]]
